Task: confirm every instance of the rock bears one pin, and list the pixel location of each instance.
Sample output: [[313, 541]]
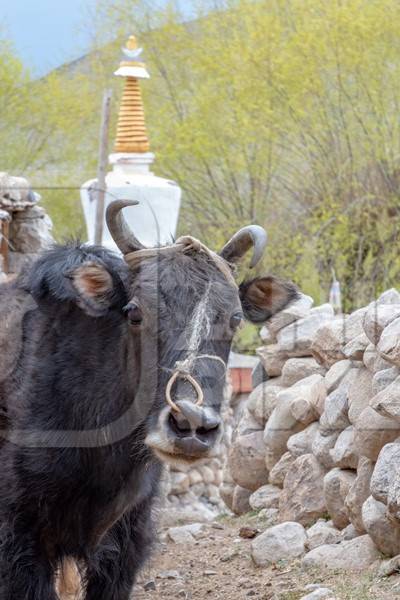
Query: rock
[[360, 393], [226, 491], [354, 349], [389, 567], [335, 415], [308, 399], [329, 341], [353, 323], [279, 471], [377, 317], [296, 339], [353, 555], [322, 445], [246, 461], [295, 311], [240, 501], [372, 432], [322, 532], [336, 374], [332, 337], [393, 497], [217, 525], [5, 216], [272, 359], [15, 193], [386, 467], [389, 343], [169, 575], [18, 261], [311, 587], [230, 555], [296, 369], [266, 336], [217, 473], [212, 494], [280, 426], [302, 499], [269, 516], [179, 482], [343, 453], [248, 533], [195, 477], [195, 512], [281, 542], [384, 532], [358, 493], [387, 402], [247, 424], [302, 409], [336, 486], [150, 585], [382, 379], [258, 375], [262, 401], [350, 532], [267, 496], [30, 231], [206, 473], [209, 473], [185, 534], [373, 360], [301, 443], [390, 296], [319, 594]]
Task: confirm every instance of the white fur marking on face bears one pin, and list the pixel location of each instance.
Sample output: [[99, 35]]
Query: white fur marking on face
[[198, 328]]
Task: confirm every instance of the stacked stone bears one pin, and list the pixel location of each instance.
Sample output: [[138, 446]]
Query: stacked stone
[[318, 445], [29, 235], [192, 493], [29, 225]]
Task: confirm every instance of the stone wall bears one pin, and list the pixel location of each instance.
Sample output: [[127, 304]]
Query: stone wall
[[193, 493], [318, 444], [29, 225]]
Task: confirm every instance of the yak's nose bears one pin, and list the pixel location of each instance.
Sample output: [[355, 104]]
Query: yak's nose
[[195, 428]]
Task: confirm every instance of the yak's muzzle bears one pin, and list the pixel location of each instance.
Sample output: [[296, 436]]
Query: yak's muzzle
[[189, 435]]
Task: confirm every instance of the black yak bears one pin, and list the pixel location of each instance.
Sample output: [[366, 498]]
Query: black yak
[[108, 367]]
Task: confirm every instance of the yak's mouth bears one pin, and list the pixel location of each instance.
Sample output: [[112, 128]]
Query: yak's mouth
[[176, 446], [186, 438], [166, 451], [178, 460]]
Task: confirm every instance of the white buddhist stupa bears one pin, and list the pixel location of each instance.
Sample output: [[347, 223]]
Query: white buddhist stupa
[[154, 220]]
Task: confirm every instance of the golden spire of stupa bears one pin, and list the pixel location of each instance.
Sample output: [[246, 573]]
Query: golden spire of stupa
[[131, 129]]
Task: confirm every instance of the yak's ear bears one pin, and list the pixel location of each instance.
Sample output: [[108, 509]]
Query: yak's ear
[[95, 288], [264, 296]]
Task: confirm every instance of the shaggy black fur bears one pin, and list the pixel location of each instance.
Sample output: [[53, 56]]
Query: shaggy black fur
[[77, 479]]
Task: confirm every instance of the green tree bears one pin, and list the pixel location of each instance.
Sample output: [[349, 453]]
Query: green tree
[[41, 137], [280, 112], [284, 113]]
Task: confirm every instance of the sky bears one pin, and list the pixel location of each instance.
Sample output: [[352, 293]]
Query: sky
[[46, 33]]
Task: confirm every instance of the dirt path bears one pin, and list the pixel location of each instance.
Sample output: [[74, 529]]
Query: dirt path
[[218, 566]]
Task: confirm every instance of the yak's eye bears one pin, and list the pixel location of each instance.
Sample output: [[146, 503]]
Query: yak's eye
[[133, 313], [236, 320]]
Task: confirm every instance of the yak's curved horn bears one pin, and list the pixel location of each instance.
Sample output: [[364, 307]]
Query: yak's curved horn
[[247, 237], [119, 228]]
